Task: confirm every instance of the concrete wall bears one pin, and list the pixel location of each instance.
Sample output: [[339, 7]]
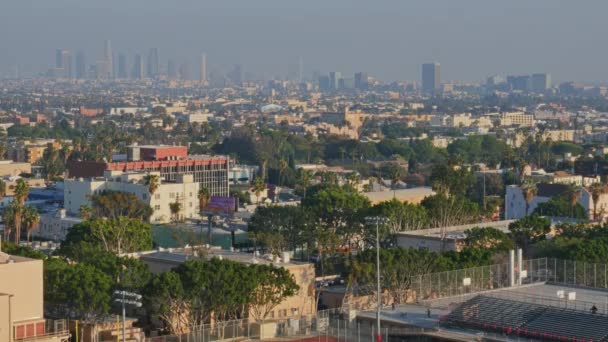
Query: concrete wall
[[4, 318], [25, 285]]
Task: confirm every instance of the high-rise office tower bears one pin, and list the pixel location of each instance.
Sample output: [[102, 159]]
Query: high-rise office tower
[[171, 69], [361, 82], [236, 75], [184, 71], [109, 60], [138, 67], [153, 63], [324, 83], [63, 63], [203, 76], [122, 66], [301, 70], [334, 80], [540, 82], [431, 77], [519, 83], [81, 65]]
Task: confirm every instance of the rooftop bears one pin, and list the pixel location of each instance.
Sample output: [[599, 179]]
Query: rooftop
[[180, 255]]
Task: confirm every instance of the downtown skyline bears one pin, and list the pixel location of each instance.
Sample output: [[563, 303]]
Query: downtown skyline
[[390, 40]]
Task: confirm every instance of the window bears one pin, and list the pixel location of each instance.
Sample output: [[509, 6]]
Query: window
[[190, 194], [144, 196], [157, 207], [157, 196]]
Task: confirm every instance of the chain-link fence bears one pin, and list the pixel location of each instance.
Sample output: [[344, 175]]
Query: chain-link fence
[[578, 273], [326, 326], [337, 325]]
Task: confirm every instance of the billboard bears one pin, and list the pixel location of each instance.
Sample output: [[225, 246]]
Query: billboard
[[221, 205]]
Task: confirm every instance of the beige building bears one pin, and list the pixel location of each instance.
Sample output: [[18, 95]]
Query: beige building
[[184, 191], [21, 303], [30, 151], [444, 239], [520, 119], [413, 195], [303, 304], [9, 168]]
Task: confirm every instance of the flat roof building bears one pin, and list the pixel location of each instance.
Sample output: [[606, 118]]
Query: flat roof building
[[170, 161], [21, 303]]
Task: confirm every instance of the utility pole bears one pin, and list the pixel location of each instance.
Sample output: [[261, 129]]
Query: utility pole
[[377, 220], [126, 298]]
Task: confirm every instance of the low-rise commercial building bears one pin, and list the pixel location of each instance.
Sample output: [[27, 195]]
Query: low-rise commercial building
[[303, 304], [21, 303]]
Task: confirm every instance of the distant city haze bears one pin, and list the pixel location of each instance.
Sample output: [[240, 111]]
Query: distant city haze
[[389, 39]]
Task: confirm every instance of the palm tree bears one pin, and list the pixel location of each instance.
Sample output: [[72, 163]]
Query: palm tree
[[22, 190], [2, 189], [153, 182], [175, 208], [597, 189], [258, 187], [529, 191], [263, 162], [283, 165], [31, 219], [9, 221], [573, 193], [395, 178], [304, 177], [203, 198]]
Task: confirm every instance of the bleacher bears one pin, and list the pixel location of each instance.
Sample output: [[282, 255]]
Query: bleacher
[[519, 318]]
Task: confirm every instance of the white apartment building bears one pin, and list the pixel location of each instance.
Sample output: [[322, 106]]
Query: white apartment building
[[55, 226], [184, 191], [452, 120], [198, 117]]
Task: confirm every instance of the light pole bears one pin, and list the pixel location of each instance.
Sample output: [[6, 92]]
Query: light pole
[[126, 298], [377, 220]]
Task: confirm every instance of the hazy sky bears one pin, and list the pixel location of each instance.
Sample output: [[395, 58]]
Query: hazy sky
[[388, 38]]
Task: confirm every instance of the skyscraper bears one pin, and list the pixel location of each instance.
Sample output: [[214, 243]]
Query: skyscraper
[[122, 66], [108, 59], [431, 77], [301, 70], [540, 82], [324, 83], [184, 71], [138, 67], [519, 83], [361, 82], [203, 75], [63, 63], [153, 63], [236, 75], [334, 80], [171, 69], [81, 65]]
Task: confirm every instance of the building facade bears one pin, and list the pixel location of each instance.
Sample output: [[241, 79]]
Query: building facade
[[170, 161], [184, 190], [21, 303], [431, 77]]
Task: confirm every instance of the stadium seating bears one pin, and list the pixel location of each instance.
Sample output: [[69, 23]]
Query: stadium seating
[[512, 317]]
